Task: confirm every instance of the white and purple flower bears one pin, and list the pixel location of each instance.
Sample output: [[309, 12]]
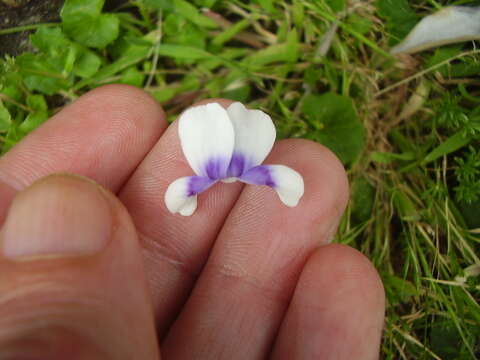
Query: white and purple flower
[[228, 145]]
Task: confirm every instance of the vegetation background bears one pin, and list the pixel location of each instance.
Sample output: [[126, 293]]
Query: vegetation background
[[407, 128]]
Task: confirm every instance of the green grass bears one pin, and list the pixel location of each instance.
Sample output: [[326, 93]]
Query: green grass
[[407, 128]]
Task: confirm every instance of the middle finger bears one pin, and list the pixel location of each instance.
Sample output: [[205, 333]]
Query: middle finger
[[175, 247], [239, 300]]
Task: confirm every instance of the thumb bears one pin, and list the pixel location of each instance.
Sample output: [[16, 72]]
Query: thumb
[[72, 284]]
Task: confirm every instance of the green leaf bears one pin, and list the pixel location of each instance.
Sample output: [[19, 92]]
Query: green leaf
[[190, 12], [398, 290], [160, 4], [267, 5], [164, 94], [87, 62], [37, 102], [336, 5], [286, 52], [133, 77], [387, 158], [12, 137], [292, 46], [5, 118], [43, 75], [405, 206], [360, 24], [179, 31], [399, 16], [14, 93], [298, 13], [363, 197], [72, 56], [50, 40], [72, 8], [453, 143], [230, 32], [83, 21], [132, 55], [337, 123], [447, 342], [183, 52], [470, 213], [33, 120]]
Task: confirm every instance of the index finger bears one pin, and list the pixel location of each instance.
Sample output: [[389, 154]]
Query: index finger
[[103, 135]]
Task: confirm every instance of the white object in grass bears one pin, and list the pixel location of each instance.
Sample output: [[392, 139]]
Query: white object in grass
[[450, 25]]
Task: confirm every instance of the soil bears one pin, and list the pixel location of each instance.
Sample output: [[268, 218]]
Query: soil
[[24, 12]]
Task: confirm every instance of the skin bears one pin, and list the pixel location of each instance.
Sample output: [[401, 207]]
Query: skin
[[245, 277]]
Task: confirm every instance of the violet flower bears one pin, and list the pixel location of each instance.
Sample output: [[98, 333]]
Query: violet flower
[[228, 145]]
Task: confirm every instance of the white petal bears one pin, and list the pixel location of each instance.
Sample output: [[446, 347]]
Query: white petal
[[287, 182], [177, 199], [207, 139], [450, 25], [254, 137]]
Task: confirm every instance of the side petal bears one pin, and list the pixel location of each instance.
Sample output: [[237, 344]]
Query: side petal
[[450, 25], [207, 139], [254, 138], [181, 195], [287, 182]]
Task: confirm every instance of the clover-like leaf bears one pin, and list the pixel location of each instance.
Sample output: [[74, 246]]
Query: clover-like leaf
[[337, 123], [84, 22]]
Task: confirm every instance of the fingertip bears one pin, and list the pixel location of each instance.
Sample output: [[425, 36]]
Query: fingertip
[[326, 181], [337, 311], [344, 269], [128, 102]]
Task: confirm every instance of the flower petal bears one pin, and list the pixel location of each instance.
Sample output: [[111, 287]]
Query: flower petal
[[254, 138], [181, 195], [287, 182], [207, 139], [450, 25]]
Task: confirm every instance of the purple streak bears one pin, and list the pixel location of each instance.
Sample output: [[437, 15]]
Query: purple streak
[[259, 175], [237, 166], [216, 168], [197, 184]]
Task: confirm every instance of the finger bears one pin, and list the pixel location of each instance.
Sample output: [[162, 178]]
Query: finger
[[102, 135], [175, 247], [337, 311], [257, 258], [72, 284]]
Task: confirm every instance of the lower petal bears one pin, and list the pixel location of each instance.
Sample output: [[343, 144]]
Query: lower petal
[[287, 182], [181, 195]]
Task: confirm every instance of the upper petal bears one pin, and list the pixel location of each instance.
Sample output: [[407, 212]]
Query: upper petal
[[207, 139], [181, 195], [254, 138], [287, 182]]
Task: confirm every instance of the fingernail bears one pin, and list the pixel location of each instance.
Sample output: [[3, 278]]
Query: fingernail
[[59, 215]]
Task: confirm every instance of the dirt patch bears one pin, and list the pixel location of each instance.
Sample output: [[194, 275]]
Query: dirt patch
[[15, 13]]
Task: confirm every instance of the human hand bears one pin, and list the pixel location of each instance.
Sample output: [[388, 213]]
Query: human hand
[[88, 273]]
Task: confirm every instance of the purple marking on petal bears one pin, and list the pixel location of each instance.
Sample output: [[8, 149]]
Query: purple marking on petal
[[197, 184], [216, 168], [258, 175], [237, 165]]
